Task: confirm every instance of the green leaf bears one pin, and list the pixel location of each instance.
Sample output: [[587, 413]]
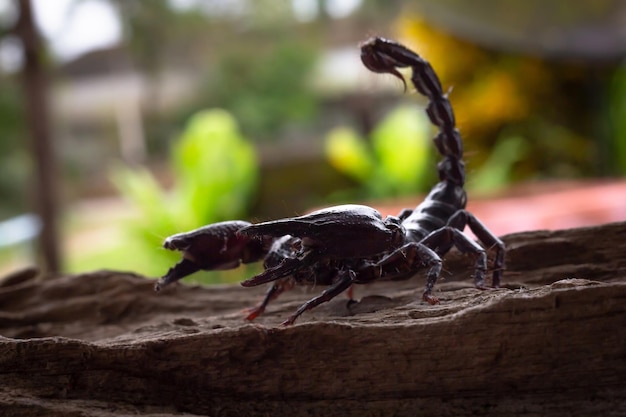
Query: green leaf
[[349, 154], [495, 173], [403, 147]]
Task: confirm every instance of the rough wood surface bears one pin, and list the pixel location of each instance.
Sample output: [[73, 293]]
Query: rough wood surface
[[552, 343]]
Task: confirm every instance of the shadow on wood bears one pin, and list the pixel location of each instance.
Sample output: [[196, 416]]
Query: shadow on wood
[[551, 343]]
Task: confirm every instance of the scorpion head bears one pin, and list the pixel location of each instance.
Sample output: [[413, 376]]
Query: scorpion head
[[395, 227]]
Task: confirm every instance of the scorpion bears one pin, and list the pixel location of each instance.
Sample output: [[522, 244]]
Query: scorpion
[[353, 244]]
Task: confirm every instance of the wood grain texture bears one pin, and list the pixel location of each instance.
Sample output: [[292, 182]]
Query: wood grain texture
[[551, 343]]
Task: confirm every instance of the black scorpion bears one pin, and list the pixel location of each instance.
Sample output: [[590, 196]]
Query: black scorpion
[[352, 244]]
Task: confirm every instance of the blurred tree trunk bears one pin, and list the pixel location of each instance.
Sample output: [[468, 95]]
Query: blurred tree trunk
[[36, 106]]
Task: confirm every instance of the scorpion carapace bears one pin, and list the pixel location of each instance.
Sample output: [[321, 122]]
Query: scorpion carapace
[[353, 244]]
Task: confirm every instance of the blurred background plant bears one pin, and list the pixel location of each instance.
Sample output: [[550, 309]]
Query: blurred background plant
[[214, 170], [14, 159], [398, 160], [265, 89], [538, 91], [617, 124]]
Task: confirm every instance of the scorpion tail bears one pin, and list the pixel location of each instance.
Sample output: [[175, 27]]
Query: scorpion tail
[[384, 56]]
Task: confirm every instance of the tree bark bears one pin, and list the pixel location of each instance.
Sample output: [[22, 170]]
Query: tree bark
[[551, 343], [45, 165]]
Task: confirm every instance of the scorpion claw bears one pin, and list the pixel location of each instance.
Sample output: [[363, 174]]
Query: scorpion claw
[[285, 268], [213, 247], [179, 271]]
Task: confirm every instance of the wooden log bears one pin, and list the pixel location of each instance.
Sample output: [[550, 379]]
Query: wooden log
[[551, 343]]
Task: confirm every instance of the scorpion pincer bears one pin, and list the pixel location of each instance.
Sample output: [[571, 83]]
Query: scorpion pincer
[[353, 244]]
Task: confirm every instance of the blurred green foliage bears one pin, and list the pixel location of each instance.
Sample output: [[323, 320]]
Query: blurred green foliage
[[266, 89], [14, 160], [396, 162], [215, 173], [497, 171], [617, 116]]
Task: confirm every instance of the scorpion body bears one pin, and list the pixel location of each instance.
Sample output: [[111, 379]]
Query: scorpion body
[[353, 244]]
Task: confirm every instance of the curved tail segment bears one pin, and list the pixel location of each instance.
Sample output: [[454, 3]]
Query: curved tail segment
[[384, 56]]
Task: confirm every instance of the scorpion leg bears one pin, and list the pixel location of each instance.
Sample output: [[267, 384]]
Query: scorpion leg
[[442, 240], [463, 218], [287, 266], [280, 286], [343, 282], [405, 262]]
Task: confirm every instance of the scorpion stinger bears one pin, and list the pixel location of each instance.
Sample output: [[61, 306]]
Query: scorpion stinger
[[353, 244]]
